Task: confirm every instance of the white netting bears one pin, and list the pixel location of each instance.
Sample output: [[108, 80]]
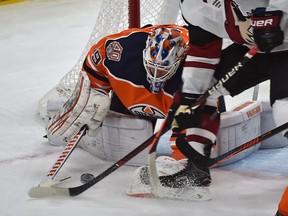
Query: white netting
[[112, 18]]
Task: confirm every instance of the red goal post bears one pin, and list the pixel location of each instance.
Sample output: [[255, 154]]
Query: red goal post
[[134, 13]]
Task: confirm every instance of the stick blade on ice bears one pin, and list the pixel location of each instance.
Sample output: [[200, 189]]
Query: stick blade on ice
[[41, 192]]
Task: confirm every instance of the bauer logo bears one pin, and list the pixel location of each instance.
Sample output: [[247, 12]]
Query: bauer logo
[[262, 23], [146, 111]]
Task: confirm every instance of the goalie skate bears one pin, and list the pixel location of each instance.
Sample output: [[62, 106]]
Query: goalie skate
[[168, 168]]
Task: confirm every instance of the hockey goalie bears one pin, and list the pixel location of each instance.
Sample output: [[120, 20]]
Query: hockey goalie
[[138, 71]]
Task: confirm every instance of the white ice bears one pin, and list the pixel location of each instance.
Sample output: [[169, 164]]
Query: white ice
[[40, 41]]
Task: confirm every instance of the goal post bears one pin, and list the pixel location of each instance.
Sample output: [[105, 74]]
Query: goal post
[[114, 16], [134, 13]]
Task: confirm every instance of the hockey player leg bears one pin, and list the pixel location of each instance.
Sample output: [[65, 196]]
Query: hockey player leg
[[85, 106], [195, 178], [186, 179]]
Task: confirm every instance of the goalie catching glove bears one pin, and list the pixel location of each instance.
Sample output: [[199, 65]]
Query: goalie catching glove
[[86, 106]]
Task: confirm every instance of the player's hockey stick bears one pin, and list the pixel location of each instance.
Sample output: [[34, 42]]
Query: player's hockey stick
[[49, 180], [214, 161], [154, 179], [37, 192], [255, 92]]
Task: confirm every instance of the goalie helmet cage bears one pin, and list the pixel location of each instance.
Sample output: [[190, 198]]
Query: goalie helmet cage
[[114, 16]]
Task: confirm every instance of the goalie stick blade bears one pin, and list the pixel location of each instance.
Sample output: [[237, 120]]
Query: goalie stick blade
[[51, 183], [41, 192]]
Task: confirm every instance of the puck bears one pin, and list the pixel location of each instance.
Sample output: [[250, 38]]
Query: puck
[[86, 177]]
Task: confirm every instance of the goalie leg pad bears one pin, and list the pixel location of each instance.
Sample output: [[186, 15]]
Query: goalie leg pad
[[268, 123], [279, 110], [238, 126], [119, 135], [85, 106]]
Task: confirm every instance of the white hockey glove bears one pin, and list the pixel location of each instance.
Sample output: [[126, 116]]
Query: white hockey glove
[[85, 106]]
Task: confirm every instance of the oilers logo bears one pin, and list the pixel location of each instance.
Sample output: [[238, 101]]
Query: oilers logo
[[146, 111]]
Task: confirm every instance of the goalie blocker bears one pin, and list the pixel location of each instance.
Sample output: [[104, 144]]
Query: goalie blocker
[[110, 136]]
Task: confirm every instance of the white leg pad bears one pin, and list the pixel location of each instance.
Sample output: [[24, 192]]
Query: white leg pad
[[268, 123], [237, 127], [119, 135]]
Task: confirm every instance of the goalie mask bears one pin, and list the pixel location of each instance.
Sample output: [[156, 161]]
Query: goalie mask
[[165, 48]]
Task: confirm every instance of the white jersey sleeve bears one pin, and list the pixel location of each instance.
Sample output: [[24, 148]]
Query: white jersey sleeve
[[231, 19], [278, 5], [206, 14]]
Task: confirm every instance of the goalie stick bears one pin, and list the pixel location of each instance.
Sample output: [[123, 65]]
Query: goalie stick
[[48, 180], [154, 178], [37, 192]]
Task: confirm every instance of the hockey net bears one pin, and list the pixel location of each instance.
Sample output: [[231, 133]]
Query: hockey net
[[114, 16]]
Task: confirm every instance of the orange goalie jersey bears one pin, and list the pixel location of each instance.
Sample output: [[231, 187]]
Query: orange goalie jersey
[[115, 64]]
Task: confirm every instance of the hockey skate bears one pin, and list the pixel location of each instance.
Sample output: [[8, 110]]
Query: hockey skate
[[181, 180]]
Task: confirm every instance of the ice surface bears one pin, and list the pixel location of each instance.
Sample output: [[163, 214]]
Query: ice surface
[[40, 41]]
